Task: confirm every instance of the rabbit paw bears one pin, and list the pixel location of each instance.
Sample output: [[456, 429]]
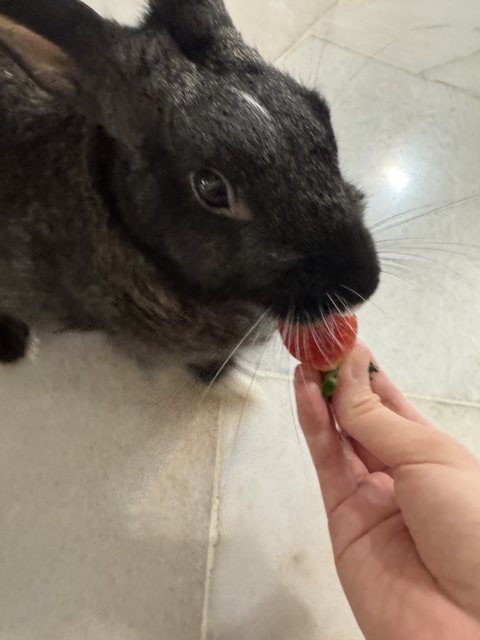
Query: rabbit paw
[[14, 339]]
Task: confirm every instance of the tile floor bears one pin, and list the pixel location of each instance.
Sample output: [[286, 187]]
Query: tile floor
[[130, 509]]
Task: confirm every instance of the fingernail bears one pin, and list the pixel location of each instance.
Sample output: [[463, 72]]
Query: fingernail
[[359, 363]]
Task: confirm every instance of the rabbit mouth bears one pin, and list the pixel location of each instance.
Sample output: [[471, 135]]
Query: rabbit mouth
[[309, 307]]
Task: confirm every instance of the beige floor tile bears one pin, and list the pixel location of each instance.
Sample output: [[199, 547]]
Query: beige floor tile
[[433, 46], [410, 34], [105, 498], [461, 422]]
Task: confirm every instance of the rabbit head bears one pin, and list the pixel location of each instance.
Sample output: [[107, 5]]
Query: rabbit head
[[220, 169]]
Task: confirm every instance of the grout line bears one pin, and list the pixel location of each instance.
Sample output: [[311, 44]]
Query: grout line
[[444, 83], [371, 57], [214, 530], [292, 46], [441, 400], [449, 62]]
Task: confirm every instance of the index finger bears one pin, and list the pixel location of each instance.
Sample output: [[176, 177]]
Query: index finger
[[338, 468]]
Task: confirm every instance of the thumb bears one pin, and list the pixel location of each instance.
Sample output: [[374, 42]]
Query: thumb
[[393, 439]]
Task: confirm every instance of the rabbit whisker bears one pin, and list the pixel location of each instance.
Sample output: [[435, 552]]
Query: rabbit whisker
[[420, 281], [398, 219], [256, 324], [247, 395], [434, 247], [425, 259]]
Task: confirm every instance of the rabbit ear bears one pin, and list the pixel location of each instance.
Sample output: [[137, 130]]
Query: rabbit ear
[[45, 63], [71, 25], [65, 47], [201, 28]]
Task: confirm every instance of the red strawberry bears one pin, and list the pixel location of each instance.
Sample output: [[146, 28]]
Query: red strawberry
[[323, 346]]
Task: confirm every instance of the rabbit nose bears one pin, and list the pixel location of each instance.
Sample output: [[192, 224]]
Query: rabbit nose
[[351, 266]]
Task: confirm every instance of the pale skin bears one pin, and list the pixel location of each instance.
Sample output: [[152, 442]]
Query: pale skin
[[403, 504]]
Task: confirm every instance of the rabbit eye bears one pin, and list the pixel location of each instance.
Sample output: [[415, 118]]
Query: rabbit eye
[[212, 190]]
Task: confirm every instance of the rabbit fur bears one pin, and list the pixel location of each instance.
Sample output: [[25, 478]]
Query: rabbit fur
[[109, 133]]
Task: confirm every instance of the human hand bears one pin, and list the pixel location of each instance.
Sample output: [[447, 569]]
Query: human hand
[[403, 506]]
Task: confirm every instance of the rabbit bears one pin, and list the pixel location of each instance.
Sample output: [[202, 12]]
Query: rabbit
[[164, 185]]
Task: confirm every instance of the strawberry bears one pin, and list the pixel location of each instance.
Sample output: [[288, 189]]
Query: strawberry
[[323, 346]]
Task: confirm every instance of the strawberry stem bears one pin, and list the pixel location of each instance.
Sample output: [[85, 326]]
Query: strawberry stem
[[330, 381], [329, 384]]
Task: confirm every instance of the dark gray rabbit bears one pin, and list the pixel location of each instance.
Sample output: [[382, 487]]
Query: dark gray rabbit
[[164, 185]]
